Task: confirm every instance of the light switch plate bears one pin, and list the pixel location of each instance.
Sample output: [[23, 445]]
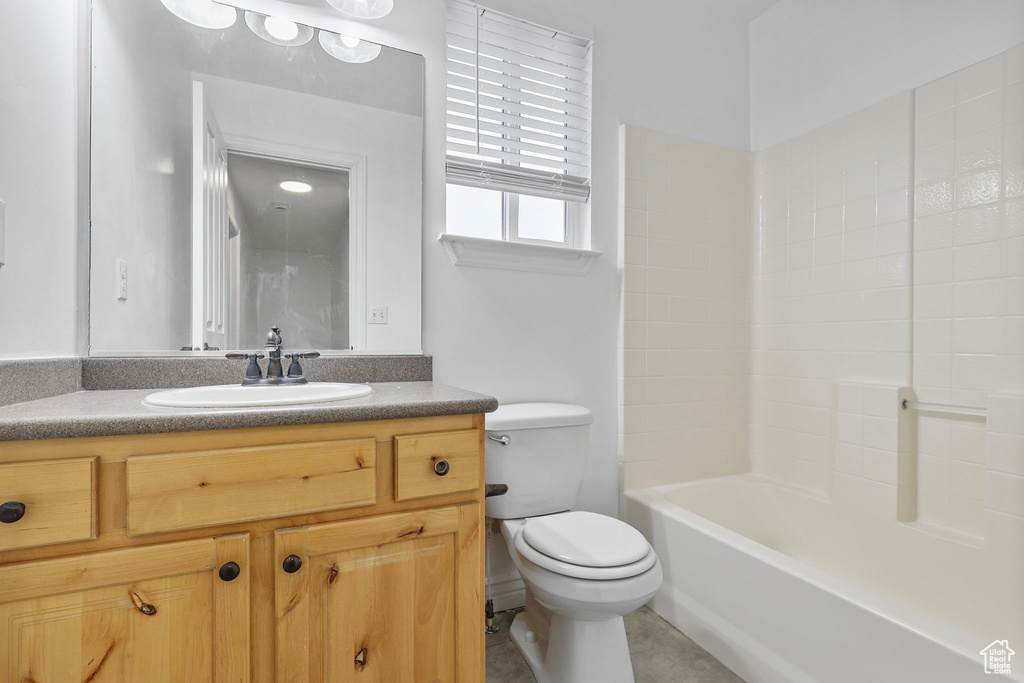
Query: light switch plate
[[122, 280], [379, 316], [3, 230]]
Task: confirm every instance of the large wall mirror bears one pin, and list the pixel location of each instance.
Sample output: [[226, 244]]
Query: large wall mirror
[[249, 172]]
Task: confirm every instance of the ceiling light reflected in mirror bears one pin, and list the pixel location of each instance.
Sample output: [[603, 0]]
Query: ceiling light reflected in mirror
[[277, 30], [296, 186], [364, 9], [203, 13], [287, 33], [348, 48]]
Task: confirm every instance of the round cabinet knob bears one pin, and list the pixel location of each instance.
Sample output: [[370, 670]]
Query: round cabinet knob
[[292, 564], [11, 512], [441, 468], [230, 571]]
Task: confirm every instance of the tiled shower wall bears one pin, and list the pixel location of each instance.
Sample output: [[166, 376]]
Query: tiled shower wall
[[831, 296], [886, 251], [968, 274], [687, 254], [891, 254]]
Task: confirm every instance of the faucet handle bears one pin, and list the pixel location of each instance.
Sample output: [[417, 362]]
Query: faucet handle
[[295, 370], [253, 371], [234, 355]]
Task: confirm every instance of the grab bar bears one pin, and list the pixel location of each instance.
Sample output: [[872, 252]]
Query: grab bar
[[940, 408]]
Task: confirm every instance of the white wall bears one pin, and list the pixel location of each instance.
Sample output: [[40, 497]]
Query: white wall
[[814, 61], [142, 177], [38, 120]]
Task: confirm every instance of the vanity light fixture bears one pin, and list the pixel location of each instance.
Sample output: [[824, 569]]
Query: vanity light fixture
[[348, 48], [363, 9], [277, 30], [203, 13], [296, 186]]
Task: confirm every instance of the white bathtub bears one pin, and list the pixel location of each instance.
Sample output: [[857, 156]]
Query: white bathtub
[[783, 587]]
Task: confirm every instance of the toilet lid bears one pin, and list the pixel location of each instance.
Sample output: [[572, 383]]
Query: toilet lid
[[626, 571], [586, 539]]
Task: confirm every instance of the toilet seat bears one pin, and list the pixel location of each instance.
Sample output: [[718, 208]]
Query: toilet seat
[[586, 539], [586, 547]]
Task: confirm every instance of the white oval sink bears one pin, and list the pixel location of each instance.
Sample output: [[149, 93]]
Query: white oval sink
[[237, 396]]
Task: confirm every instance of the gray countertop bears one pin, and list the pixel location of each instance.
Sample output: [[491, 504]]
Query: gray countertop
[[113, 413]]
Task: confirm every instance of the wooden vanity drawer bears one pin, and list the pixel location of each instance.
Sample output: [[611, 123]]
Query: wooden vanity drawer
[[420, 461], [47, 501], [206, 488]]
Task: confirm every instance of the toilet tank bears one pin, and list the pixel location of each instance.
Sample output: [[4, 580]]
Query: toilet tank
[[544, 460]]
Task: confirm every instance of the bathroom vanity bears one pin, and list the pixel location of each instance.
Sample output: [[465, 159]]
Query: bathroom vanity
[[340, 542]]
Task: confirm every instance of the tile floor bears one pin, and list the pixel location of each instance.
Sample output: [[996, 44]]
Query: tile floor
[[661, 654]]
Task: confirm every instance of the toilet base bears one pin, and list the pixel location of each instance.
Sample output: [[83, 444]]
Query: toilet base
[[575, 651]]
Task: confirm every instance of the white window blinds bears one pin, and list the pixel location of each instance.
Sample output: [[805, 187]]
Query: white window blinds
[[518, 105]]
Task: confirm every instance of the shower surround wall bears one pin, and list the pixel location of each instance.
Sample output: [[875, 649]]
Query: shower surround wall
[[687, 256], [885, 260], [968, 279], [831, 296]]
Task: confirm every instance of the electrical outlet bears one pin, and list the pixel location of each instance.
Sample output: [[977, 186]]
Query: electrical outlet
[[379, 316], [122, 280]]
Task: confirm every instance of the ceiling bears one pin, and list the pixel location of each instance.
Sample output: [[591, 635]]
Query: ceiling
[[313, 222], [747, 10]]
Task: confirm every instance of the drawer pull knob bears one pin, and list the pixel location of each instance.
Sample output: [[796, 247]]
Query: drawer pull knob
[[11, 512], [441, 468], [230, 571], [292, 564]]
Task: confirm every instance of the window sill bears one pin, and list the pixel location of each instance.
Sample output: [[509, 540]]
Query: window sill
[[538, 258]]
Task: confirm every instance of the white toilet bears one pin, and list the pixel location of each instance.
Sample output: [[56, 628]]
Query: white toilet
[[583, 571]]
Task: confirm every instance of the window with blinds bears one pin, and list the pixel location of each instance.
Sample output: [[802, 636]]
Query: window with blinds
[[518, 109]]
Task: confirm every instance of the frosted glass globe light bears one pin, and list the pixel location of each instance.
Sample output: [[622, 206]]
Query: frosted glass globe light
[[348, 48], [282, 29], [364, 9], [278, 30], [203, 13]]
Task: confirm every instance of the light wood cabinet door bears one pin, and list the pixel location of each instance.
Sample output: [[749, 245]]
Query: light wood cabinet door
[[161, 614], [390, 599]]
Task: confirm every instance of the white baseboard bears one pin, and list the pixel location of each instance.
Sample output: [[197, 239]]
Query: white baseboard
[[508, 592]]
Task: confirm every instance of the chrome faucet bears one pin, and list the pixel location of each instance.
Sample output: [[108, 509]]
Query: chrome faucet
[[273, 348], [275, 371]]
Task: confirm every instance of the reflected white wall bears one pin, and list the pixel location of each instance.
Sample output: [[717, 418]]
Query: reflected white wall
[[393, 187], [144, 217]]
